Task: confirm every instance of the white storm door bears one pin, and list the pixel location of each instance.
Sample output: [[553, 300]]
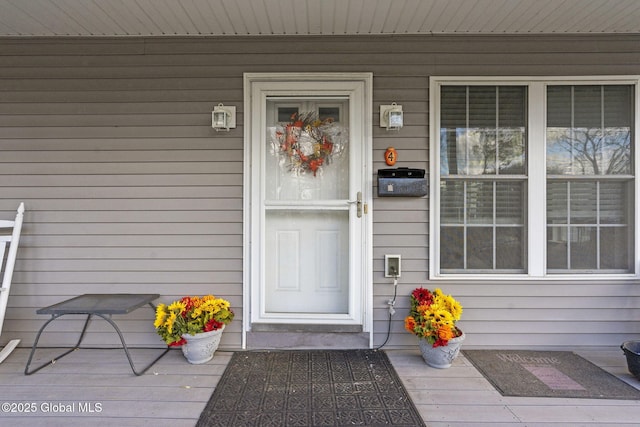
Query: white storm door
[[309, 206], [306, 207]]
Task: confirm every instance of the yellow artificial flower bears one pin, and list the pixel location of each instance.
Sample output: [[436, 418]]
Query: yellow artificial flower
[[441, 317], [171, 321], [178, 306], [161, 315], [456, 310]]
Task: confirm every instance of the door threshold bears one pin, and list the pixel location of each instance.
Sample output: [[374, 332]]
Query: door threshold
[[285, 340], [302, 328]]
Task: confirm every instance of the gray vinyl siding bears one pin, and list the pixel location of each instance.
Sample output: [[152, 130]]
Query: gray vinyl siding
[[128, 189]]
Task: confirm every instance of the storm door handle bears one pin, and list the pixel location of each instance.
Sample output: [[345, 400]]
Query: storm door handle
[[358, 203]]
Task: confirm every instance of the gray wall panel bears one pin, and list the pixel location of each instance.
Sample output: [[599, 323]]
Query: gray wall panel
[[128, 189]]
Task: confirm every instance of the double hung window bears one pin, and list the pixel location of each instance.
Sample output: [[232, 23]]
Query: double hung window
[[534, 178]]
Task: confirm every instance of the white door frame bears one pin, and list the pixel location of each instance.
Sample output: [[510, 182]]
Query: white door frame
[[257, 86]]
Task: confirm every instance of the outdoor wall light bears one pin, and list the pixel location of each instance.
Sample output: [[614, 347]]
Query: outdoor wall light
[[223, 118], [391, 116]]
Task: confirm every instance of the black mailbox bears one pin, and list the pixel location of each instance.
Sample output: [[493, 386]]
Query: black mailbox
[[402, 182]]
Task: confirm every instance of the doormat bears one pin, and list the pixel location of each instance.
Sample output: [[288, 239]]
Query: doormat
[[548, 374], [310, 388]]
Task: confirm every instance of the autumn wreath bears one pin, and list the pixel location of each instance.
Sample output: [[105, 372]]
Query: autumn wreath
[[308, 142]]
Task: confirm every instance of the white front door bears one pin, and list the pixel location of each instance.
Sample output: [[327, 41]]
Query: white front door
[[309, 170]]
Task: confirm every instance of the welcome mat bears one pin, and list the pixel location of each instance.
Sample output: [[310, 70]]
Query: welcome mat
[[548, 374], [310, 388]]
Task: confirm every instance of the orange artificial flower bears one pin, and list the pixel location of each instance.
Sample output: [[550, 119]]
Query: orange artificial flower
[[409, 323]]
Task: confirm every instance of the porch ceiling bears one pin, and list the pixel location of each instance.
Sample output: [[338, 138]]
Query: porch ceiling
[[102, 18]]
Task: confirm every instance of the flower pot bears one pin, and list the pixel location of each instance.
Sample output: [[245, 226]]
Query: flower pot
[[441, 357], [631, 350], [200, 348]]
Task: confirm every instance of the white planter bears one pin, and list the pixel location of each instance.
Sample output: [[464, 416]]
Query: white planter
[[441, 357], [201, 347]]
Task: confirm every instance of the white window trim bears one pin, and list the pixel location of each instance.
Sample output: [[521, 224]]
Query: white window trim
[[536, 172]]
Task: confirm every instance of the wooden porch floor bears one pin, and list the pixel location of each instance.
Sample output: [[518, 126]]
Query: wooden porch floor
[[97, 386]]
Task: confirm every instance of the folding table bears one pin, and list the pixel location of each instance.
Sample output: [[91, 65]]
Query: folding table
[[102, 305]]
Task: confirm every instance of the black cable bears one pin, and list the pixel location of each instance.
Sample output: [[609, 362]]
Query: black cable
[[391, 302]]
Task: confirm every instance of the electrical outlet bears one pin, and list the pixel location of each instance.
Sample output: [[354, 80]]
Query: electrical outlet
[[392, 266]]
